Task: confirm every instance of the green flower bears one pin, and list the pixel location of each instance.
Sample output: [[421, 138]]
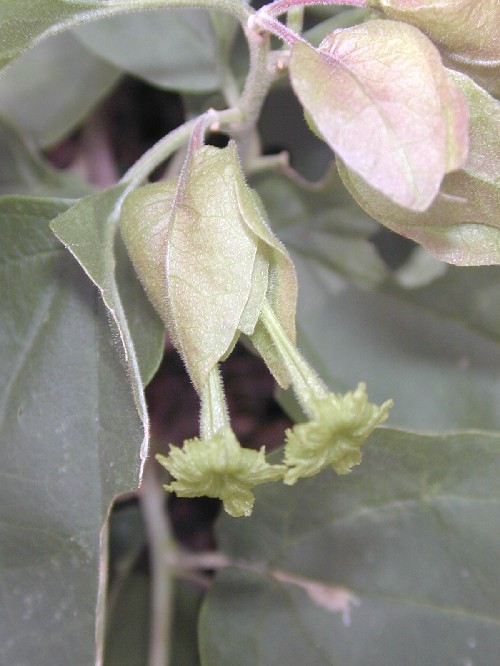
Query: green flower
[[219, 467], [334, 435]]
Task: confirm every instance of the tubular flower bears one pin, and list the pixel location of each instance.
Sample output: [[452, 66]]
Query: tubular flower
[[333, 436], [219, 467]]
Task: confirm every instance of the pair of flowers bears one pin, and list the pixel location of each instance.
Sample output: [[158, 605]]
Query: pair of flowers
[[214, 270], [216, 465]]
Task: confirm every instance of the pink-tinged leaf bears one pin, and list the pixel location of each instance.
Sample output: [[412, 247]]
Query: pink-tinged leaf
[[382, 100], [462, 226], [466, 32]]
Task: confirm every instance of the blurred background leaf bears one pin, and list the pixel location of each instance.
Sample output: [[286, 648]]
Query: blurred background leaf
[[52, 88], [23, 171], [175, 49]]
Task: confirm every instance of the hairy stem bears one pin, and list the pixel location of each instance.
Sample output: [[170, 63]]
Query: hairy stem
[[214, 415], [281, 6], [307, 386], [169, 144]]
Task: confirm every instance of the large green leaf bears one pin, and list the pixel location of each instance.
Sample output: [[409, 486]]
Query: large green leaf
[[70, 436], [174, 49], [394, 564], [325, 225], [23, 171], [52, 88]]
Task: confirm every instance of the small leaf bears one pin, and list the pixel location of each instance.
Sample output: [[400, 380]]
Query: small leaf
[[382, 100], [466, 32], [398, 559], [281, 285], [462, 225], [208, 255]]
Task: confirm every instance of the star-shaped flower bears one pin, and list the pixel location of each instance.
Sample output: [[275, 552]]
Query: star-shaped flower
[[219, 467], [334, 436]]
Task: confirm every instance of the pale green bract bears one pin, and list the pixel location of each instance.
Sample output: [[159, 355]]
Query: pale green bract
[[219, 467], [207, 259], [334, 436]]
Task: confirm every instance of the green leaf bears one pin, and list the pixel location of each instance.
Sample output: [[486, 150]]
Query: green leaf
[[52, 88], [471, 298], [466, 32], [396, 564], [70, 436], [211, 258], [462, 225], [384, 79], [22, 170], [88, 229], [174, 49], [187, 264]]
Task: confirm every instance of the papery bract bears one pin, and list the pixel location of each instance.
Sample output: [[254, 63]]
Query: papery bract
[[381, 99], [208, 259], [462, 226]]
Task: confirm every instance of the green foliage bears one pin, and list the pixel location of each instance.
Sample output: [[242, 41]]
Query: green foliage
[[393, 563], [22, 171], [63, 459]]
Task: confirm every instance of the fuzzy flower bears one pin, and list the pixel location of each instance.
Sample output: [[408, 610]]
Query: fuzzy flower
[[219, 467], [334, 436]]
